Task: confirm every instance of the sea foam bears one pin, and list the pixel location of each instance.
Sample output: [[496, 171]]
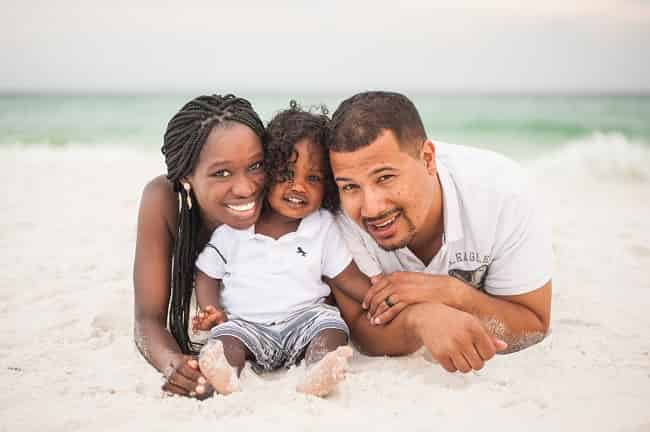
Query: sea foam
[[600, 156]]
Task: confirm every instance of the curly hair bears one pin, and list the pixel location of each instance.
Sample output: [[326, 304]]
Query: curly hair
[[286, 129]]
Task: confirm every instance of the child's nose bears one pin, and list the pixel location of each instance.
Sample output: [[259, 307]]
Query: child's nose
[[298, 185]]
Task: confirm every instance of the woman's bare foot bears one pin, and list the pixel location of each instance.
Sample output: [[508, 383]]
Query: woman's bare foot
[[215, 367], [323, 377]]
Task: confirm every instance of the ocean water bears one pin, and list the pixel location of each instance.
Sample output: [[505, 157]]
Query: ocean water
[[591, 129]]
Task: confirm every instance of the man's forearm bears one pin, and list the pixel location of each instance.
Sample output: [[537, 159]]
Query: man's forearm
[[520, 321]]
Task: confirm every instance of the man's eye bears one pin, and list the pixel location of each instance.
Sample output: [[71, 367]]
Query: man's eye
[[255, 166], [222, 173], [384, 178]]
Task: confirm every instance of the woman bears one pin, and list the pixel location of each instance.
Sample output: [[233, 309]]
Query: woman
[[213, 152]]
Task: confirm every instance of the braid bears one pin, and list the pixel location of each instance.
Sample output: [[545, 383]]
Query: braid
[[186, 134]]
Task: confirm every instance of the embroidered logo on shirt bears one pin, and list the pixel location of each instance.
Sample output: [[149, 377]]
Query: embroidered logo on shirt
[[301, 252], [475, 278]]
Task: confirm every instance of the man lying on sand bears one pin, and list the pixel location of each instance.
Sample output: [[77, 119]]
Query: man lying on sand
[[460, 255]]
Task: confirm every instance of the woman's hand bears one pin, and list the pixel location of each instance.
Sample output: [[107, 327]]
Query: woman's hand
[[185, 379], [207, 318]]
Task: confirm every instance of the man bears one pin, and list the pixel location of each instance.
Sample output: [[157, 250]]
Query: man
[[458, 253]]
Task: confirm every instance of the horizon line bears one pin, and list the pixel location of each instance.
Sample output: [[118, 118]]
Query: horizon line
[[302, 92]]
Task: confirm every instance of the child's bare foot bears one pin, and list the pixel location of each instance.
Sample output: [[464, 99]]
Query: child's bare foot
[[214, 365], [323, 377]]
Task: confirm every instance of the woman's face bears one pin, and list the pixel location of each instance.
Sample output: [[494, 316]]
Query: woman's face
[[228, 179]]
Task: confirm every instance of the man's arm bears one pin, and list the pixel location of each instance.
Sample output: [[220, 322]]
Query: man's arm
[[519, 320], [455, 339]]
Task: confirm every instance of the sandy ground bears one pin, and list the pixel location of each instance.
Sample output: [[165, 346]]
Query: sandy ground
[[67, 360]]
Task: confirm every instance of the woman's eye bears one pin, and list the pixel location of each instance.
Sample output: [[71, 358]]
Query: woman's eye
[[255, 166], [222, 173], [313, 178]]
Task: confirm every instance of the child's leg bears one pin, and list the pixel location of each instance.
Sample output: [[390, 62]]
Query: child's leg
[[221, 361], [326, 341], [327, 357]]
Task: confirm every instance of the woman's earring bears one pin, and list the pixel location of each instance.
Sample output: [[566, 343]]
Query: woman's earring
[[187, 188]]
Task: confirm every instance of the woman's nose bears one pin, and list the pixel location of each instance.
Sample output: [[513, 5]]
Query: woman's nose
[[244, 186]]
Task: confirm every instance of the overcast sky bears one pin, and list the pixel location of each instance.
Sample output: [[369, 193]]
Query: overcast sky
[[285, 45]]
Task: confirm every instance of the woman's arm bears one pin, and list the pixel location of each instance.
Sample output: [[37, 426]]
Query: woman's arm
[[151, 280]]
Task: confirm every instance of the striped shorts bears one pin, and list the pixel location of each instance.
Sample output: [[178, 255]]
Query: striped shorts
[[282, 343]]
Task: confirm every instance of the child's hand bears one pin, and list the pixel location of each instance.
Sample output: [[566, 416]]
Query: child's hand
[[208, 318]]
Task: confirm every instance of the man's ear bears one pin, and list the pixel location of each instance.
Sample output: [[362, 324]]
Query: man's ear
[[428, 156]]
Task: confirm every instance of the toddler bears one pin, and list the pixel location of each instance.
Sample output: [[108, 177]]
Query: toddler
[[272, 307]]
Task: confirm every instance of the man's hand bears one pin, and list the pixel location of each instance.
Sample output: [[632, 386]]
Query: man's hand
[[456, 340], [183, 378], [208, 318], [401, 289]]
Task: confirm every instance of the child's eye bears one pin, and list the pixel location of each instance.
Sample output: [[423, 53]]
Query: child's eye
[[222, 173], [257, 165], [348, 187]]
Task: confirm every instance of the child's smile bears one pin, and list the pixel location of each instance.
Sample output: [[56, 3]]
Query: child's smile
[[303, 192]]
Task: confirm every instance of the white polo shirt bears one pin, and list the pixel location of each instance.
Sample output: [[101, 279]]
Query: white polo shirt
[[495, 237], [266, 279]]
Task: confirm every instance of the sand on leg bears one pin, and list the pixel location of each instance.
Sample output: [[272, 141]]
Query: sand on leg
[[327, 361], [221, 361]]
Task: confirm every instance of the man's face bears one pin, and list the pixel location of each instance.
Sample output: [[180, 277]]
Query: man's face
[[385, 190]]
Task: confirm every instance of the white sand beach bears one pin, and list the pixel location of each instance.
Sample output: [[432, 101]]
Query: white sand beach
[[68, 362]]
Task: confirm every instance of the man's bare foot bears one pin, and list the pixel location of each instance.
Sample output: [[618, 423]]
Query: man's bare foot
[[323, 377], [214, 365]]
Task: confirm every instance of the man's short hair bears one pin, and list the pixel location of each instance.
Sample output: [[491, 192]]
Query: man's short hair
[[360, 119]]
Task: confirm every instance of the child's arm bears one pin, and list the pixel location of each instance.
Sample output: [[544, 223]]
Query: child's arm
[[207, 297], [207, 290], [352, 282]]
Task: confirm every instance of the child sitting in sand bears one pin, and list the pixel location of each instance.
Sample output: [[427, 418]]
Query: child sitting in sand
[[273, 294]]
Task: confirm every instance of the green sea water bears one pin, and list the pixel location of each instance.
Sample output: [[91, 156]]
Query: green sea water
[[522, 127]]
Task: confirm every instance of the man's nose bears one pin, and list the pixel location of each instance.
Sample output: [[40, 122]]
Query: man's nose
[[373, 204], [244, 186]]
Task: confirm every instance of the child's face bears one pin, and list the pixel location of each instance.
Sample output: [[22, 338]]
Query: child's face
[[301, 195]]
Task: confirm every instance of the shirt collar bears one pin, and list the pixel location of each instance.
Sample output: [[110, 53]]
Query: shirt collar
[[453, 225], [310, 225], [307, 227]]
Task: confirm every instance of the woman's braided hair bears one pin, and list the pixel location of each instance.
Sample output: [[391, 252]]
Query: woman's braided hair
[[186, 134]]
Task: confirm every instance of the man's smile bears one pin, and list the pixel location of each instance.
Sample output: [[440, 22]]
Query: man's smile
[[383, 226]]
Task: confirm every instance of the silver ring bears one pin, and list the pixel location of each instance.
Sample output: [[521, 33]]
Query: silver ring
[[388, 302]]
